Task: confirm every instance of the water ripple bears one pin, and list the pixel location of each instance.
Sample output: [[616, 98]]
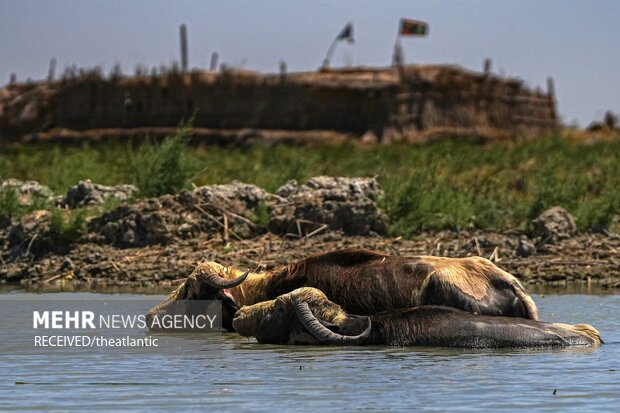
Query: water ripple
[[228, 372]]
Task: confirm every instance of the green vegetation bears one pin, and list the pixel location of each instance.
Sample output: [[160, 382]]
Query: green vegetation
[[68, 226], [450, 184], [165, 168], [10, 206], [261, 217]]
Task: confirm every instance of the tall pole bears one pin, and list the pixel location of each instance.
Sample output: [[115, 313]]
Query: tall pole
[[487, 66], [397, 57], [213, 65], [51, 71], [330, 52], [183, 48], [550, 88]]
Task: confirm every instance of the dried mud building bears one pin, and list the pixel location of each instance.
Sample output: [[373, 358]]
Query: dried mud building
[[411, 103]]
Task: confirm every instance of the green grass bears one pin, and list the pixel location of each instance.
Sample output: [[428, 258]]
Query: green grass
[[10, 206], [261, 217], [68, 226], [162, 168], [450, 184]]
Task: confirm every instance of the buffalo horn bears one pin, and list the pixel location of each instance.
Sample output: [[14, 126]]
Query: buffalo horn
[[322, 333], [217, 281]]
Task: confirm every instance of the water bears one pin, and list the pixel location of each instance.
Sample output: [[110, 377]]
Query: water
[[228, 372]]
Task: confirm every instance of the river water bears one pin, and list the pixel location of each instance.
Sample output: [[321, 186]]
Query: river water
[[229, 372]]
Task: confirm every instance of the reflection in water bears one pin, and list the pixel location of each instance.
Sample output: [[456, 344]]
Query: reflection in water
[[229, 372]]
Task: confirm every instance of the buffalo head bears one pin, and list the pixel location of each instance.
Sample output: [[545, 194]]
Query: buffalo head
[[304, 316], [208, 281]]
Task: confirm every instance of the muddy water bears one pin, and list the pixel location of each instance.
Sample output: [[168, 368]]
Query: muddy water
[[228, 372]]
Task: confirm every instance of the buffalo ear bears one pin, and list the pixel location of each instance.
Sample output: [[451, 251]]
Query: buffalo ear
[[333, 327]]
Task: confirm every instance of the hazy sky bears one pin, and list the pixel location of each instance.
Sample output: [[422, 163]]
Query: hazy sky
[[575, 42]]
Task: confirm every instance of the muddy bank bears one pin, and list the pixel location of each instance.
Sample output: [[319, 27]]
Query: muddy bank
[[592, 258], [157, 242]]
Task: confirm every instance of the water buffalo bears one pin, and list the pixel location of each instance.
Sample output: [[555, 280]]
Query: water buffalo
[[365, 282], [307, 316]]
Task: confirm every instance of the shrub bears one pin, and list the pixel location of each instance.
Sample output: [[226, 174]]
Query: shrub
[[162, 168], [11, 207], [68, 226], [261, 217], [9, 204], [598, 214]]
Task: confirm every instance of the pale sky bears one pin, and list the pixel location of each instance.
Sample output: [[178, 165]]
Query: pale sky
[[575, 42]]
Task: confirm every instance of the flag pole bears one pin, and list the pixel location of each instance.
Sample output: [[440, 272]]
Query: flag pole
[[398, 50], [330, 52], [397, 59], [396, 55]]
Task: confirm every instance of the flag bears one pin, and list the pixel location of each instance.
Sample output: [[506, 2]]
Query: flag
[[346, 33], [410, 27]]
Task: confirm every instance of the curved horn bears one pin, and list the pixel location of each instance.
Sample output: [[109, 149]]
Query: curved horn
[[217, 281], [322, 333]]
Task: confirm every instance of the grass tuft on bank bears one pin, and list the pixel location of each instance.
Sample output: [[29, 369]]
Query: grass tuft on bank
[[162, 168]]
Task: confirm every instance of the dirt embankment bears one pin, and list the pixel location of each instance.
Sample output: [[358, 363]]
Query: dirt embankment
[[157, 242]]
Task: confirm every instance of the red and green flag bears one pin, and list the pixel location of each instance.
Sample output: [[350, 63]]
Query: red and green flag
[[409, 27]]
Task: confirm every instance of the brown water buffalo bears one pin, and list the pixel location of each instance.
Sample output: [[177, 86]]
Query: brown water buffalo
[[307, 316], [365, 282]]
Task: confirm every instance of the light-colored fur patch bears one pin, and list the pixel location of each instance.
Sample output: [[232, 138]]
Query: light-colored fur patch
[[470, 275], [585, 330], [248, 319]]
